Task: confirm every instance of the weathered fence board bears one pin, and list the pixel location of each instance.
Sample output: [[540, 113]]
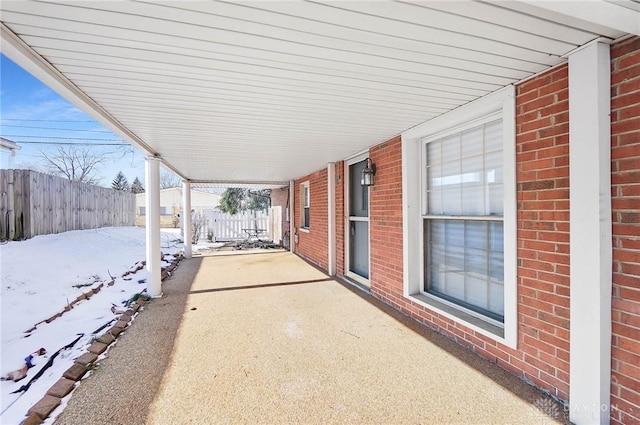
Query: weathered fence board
[[275, 223], [33, 203]]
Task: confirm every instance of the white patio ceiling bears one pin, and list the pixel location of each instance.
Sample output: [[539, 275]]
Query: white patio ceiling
[[267, 91]]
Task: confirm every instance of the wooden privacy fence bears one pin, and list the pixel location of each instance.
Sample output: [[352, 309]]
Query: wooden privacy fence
[[33, 203]]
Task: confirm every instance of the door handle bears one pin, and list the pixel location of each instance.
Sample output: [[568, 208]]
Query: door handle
[[353, 228]]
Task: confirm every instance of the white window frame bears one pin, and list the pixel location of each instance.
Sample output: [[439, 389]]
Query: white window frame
[[500, 104], [304, 227]]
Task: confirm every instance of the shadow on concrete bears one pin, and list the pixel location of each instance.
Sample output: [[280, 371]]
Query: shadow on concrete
[[514, 384], [125, 385], [122, 387], [227, 253], [264, 285]]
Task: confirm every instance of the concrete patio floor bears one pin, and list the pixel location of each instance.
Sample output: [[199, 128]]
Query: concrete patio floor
[[266, 338]]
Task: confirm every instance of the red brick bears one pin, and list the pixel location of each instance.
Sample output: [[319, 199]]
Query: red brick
[[537, 103], [554, 237], [553, 258], [621, 100], [534, 84], [628, 69], [539, 365], [630, 112], [542, 236], [628, 413], [630, 307], [630, 190], [632, 269], [631, 84], [563, 289], [559, 73], [630, 320], [624, 229], [313, 244], [631, 397], [627, 151], [557, 86], [626, 125], [536, 124], [627, 139], [631, 345], [625, 47], [562, 150]]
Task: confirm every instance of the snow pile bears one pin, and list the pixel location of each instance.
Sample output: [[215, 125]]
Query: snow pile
[[42, 276]]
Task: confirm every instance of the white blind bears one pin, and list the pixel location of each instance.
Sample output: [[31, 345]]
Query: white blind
[[464, 172], [465, 258]]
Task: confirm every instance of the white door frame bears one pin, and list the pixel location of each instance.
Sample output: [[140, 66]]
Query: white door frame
[[347, 221]]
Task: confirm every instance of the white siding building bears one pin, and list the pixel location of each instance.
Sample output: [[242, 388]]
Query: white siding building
[[171, 205]]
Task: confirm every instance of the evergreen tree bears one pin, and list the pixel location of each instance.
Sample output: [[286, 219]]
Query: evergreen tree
[[136, 186], [231, 201], [235, 200], [120, 182]]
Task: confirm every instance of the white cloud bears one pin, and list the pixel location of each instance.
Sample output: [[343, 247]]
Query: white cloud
[[47, 110]]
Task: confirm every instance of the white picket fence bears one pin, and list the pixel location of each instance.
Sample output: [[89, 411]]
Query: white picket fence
[[223, 227]]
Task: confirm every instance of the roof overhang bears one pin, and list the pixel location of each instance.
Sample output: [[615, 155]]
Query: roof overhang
[[9, 145], [264, 92]]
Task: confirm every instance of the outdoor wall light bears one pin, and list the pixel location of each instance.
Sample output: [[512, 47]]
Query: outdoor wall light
[[366, 179]]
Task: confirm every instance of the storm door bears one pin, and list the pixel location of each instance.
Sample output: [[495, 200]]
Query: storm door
[[358, 225]]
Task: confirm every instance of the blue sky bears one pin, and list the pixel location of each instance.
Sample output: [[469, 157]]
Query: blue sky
[[32, 114]]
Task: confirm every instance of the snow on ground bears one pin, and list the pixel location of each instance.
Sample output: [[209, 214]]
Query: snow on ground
[[40, 276]]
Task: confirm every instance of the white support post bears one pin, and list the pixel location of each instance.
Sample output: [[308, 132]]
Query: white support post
[[591, 243], [292, 221], [152, 177], [187, 224], [331, 218]]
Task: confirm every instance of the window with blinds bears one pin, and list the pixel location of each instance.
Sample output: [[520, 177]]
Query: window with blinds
[[463, 219], [304, 218]]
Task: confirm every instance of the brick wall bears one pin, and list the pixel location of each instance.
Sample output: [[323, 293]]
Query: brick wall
[[543, 240], [313, 244], [542, 163], [625, 192], [280, 198], [542, 175], [385, 220]]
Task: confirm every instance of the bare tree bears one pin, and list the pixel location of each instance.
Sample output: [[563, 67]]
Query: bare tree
[[75, 163], [168, 179]]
